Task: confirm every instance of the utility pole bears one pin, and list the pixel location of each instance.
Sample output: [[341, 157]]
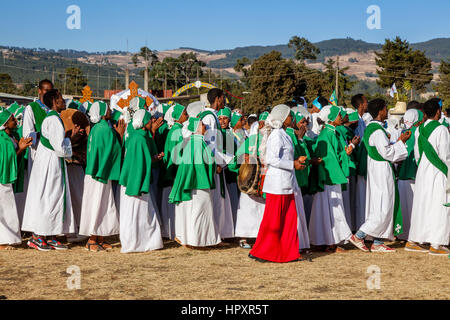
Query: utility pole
[[337, 79], [198, 89], [176, 85], [146, 68], [98, 80], [65, 82], [221, 86], [127, 73], [165, 82]]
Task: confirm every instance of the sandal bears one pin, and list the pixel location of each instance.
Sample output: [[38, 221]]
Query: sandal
[[7, 248], [244, 245], [105, 246], [90, 244]]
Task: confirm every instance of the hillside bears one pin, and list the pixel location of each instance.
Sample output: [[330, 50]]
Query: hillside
[[29, 65], [435, 49]]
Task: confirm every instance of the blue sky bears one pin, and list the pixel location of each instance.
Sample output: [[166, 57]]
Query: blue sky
[[213, 25]]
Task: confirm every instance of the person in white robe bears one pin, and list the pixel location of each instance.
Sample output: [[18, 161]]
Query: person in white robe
[[140, 230], [32, 120], [48, 209], [222, 204], [99, 214], [407, 170], [430, 216], [10, 174], [195, 224], [381, 210]]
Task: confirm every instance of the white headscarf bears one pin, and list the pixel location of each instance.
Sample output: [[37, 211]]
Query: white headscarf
[[193, 109], [324, 112], [97, 111], [278, 115], [138, 119], [168, 117], [410, 117], [367, 118]]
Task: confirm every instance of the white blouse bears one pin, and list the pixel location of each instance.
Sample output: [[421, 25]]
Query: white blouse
[[280, 176]]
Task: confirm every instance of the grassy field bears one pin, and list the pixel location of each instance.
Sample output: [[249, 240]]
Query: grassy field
[[224, 273]]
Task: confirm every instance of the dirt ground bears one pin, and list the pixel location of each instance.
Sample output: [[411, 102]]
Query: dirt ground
[[225, 273]]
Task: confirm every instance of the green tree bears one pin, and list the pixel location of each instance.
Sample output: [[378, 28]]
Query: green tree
[[443, 86], [72, 81], [397, 63], [273, 81], [6, 84], [145, 54], [303, 49]]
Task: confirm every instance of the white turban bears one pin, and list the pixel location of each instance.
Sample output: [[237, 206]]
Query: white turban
[[410, 117], [195, 108], [168, 117], [140, 118], [278, 115], [302, 110], [324, 112], [367, 118], [97, 111]]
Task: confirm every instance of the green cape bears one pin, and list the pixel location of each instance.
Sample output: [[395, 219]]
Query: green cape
[[196, 170], [137, 165], [104, 153], [172, 151], [330, 146]]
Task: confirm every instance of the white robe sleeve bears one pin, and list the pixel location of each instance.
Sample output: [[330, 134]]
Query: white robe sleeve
[[28, 127], [210, 137], [274, 153], [53, 130], [390, 152]]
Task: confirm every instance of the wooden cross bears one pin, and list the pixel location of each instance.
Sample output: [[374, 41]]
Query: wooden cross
[[133, 93], [87, 93]]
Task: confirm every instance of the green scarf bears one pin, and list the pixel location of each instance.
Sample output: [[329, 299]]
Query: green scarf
[[193, 172], [103, 153], [347, 134], [172, 150], [408, 168], [8, 160], [39, 115], [300, 149], [426, 147], [333, 169], [230, 175], [373, 154], [137, 165]]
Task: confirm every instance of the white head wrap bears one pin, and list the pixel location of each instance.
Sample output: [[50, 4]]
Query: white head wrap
[[410, 117], [278, 115], [97, 111], [324, 112], [138, 119], [168, 117], [193, 109], [367, 118]]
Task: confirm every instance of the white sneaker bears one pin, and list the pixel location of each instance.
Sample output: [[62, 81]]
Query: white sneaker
[[381, 248]]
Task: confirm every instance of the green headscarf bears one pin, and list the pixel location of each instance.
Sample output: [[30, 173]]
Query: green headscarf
[[235, 118], [177, 111], [224, 112], [263, 116]]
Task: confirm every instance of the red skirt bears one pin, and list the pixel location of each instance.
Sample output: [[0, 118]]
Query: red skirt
[[277, 239]]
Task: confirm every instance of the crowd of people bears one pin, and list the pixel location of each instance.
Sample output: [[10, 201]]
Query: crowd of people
[[322, 176]]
